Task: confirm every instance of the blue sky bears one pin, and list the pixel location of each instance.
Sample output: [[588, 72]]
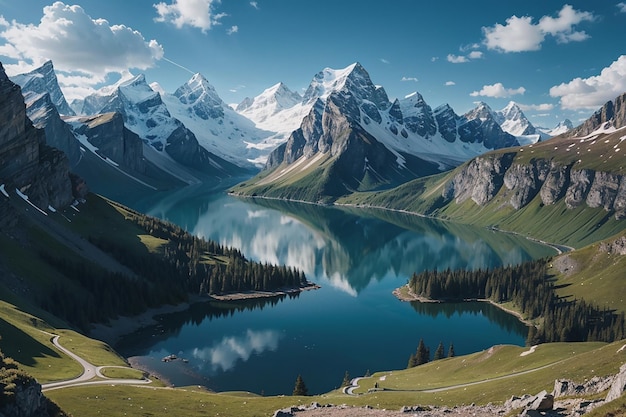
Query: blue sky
[[557, 59]]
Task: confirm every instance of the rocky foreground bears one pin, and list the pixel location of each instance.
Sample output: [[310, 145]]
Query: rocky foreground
[[568, 399]]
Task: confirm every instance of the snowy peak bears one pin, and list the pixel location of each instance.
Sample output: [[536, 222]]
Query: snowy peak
[[271, 101], [137, 90], [44, 80], [513, 120], [482, 111], [201, 98]]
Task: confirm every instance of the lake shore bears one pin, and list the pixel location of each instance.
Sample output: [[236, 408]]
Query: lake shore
[[112, 332], [405, 293]]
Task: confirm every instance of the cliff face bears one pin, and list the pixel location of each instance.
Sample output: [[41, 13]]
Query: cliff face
[[26, 162], [519, 183], [613, 112], [107, 133]]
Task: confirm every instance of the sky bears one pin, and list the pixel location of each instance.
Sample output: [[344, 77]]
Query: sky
[[555, 59]]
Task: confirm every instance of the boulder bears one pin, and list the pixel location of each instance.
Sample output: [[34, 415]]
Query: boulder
[[619, 385]]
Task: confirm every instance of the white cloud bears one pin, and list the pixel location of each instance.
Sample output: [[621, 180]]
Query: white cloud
[[384, 61], [622, 7], [434, 59], [409, 79], [498, 90], [254, 4], [450, 83], [592, 92], [521, 34], [536, 107], [457, 59], [194, 13], [76, 43], [232, 29], [475, 55]]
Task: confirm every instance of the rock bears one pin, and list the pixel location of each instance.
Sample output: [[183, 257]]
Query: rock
[[616, 247], [580, 183], [619, 385], [542, 402], [603, 190], [555, 185], [283, 413], [566, 387], [480, 180]]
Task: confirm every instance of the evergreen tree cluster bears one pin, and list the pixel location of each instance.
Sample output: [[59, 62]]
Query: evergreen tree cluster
[[184, 264], [422, 354], [531, 289]]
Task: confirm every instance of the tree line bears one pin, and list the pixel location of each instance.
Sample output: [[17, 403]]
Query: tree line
[[531, 289], [184, 264]]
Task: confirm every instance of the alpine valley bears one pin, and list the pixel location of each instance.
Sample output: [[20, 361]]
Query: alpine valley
[[380, 187]]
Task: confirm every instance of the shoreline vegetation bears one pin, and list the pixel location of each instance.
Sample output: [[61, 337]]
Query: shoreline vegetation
[[405, 294], [560, 249]]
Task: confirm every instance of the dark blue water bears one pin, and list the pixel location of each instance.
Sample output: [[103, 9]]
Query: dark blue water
[[353, 323]]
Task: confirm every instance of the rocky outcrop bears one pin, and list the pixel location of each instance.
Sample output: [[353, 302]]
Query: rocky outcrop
[[613, 113], [480, 179], [618, 386], [484, 177], [27, 401], [615, 247], [44, 115], [26, 162], [113, 140]]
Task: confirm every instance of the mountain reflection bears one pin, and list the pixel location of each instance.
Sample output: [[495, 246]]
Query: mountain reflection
[[341, 247], [224, 354]]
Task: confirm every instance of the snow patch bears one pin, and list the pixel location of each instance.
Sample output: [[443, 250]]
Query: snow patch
[[529, 351]]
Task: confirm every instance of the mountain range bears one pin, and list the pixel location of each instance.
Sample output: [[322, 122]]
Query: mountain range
[[191, 133]]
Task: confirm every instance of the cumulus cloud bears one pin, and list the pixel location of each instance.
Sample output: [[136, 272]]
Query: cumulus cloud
[[522, 34], [195, 13], [450, 83], [232, 29], [457, 59], [414, 79], [498, 90], [536, 107], [621, 7], [254, 4], [593, 92], [76, 43], [461, 59]]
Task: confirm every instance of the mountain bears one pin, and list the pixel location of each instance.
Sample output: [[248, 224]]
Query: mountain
[[44, 80], [267, 104], [146, 115], [355, 138], [44, 115], [559, 129], [513, 120], [29, 168], [572, 190], [611, 115], [218, 128]]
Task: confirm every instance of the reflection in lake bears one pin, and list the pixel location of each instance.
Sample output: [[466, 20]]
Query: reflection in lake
[[353, 323]]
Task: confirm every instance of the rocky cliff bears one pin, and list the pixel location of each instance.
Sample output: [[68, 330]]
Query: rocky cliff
[[113, 140], [613, 112], [27, 163], [519, 183]]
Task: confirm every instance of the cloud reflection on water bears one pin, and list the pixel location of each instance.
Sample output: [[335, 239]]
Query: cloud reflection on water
[[224, 354]]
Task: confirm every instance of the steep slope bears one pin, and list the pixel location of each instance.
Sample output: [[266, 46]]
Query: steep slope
[[29, 169], [44, 115], [354, 138], [218, 128], [567, 190], [146, 115], [613, 113], [44, 80]]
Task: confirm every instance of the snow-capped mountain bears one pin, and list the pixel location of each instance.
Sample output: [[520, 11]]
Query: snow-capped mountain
[[219, 128], [367, 141], [146, 115], [270, 102], [44, 80], [559, 129], [513, 120]]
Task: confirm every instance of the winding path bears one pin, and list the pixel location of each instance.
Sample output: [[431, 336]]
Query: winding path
[[89, 374]]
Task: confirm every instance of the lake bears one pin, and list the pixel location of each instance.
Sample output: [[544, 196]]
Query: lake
[[353, 323]]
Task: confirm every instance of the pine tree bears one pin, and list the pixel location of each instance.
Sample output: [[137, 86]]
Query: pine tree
[[451, 351], [346, 380], [439, 353], [412, 361], [300, 388], [423, 354]]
